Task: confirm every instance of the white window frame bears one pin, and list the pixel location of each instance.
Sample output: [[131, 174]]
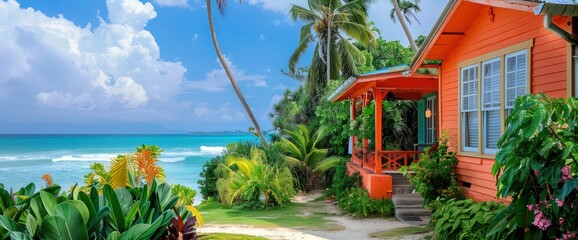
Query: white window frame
[[484, 109], [463, 111], [507, 87]]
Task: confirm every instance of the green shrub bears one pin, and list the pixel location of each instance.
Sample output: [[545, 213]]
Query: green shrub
[[359, 203], [208, 181], [465, 219], [342, 182], [435, 175], [243, 180], [122, 213], [539, 169]]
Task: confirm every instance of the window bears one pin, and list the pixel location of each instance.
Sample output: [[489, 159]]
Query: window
[[431, 120], [470, 108], [516, 78], [489, 87], [491, 105]]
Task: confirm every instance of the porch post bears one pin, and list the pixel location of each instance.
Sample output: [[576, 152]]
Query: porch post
[[365, 100], [353, 114], [378, 108]]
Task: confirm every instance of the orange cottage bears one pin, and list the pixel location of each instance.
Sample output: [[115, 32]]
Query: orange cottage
[[493, 51]]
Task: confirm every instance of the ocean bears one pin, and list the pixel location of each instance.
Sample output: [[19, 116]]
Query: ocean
[[25, 158]]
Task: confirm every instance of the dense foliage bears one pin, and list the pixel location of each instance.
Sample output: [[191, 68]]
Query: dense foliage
[[123, 213], [384, 54], [399, 119], [358, 202], [335, 119], [208, 178], [251, 180], [465, 219], [342, 183], [435, 175], [537, 161]]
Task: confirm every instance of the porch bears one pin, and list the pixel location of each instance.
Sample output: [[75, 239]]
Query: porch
[[375, 164]]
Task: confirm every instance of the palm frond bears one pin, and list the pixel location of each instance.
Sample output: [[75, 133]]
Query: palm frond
[[119, 170]]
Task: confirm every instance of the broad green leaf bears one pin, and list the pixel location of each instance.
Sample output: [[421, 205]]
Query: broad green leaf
[[95, 221], [19, 236], [82, 209], [49, 202], [138, 232], [116, 210], [75, 226], [9, 224], [31, 224], [113, 236]]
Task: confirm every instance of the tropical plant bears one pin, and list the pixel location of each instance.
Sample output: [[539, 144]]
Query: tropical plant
[[537, 168], [357, 201], [252, 180], [47, 178], [409, 8], [342, 183], [303, 152], [435, 175], [181, 229], [384, 54], [331, 23], [131, 169], [122, 213], [334, 118], [465, 219], [221, 4], [186, 195], [208, 178]]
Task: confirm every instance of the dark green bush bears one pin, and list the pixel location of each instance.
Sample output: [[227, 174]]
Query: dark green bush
[[359, 203], [342, 182], [435, 175], [465, 219], [208, 181]]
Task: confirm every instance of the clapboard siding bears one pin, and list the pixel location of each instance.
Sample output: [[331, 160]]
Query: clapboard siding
[[548, 75]]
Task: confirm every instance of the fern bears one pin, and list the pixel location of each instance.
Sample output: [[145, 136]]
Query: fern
[[119, 171]]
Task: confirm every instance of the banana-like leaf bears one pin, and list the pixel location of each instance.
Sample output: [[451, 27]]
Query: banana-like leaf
[[19, 236], [326, 164], [94, 222], [124, 198], [113, 236], [74, 226], [48, 201], [31, 224], [116, 210], [9, 224], [82, 209]]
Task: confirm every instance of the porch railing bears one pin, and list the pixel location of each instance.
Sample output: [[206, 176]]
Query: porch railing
[[393, 160], [389, 160]]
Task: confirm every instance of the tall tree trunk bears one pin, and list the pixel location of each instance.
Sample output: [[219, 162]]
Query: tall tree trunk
[[328, 50], [230, 74], [404, 25]]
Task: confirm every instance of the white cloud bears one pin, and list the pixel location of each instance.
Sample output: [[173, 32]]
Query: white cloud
[[173, 3], [280, 87], [195, 37], [58, 64], [216, 80], [224, 113], [262, 37], [277, 5], [130, 12]]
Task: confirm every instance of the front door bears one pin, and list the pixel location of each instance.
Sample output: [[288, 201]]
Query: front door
[[430, 121]]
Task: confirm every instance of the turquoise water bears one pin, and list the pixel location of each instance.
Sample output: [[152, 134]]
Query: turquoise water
[[25, 158]]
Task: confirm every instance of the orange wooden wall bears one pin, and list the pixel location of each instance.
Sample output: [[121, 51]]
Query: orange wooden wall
[[548, 74]]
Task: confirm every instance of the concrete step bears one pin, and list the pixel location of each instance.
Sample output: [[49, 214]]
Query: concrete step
[[419, 212], [409, 199], [403, 190], [408, 206]]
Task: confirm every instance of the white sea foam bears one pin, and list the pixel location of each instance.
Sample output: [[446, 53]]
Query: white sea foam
[[213, 150], [172, 160], [85, 158]]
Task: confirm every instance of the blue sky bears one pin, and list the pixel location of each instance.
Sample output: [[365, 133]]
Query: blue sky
[[129, 66]]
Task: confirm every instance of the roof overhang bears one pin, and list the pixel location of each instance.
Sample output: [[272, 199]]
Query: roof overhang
[[398, 82], [456, 18], [557, 7]]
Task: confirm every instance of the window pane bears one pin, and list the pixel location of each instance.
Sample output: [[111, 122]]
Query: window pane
[[492, 129], [471, 129]]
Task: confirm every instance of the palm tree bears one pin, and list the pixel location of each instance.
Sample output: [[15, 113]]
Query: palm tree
[[302, 152], [403, 8], [221, 4], [333, 24]]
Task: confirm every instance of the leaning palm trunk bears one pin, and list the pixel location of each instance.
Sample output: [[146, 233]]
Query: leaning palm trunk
[[404, 25], [230, 74]]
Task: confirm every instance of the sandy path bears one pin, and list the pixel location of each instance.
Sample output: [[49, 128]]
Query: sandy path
[[348, 227]]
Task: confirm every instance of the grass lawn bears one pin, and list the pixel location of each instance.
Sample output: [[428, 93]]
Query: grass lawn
[[227, 236], [294, 215], [400, 232]]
